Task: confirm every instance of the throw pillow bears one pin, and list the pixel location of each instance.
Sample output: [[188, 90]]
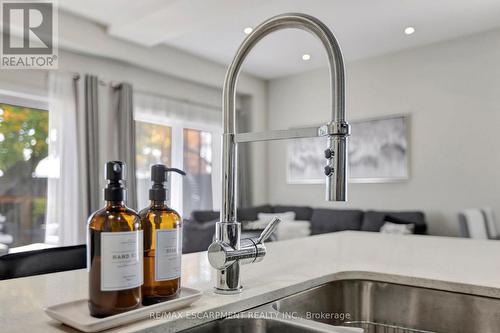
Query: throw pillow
[[265, 218], [399, 229], [286, 216]]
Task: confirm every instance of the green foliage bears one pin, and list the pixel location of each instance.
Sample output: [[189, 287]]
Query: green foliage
[[39, 207], [149, 138], [23, 135]]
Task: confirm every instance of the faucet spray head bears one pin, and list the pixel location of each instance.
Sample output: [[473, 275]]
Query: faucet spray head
[[336, 169]]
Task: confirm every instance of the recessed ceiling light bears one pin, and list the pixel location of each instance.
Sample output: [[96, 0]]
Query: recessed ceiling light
[[409, 30], [248, 30], [306, 57]]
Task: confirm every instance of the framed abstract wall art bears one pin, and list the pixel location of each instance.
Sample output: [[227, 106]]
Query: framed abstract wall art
[[379, 151]]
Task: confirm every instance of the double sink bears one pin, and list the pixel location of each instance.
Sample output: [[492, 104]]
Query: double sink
[[367, 306]]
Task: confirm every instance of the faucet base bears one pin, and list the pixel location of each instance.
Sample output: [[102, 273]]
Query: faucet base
[[228, 291]]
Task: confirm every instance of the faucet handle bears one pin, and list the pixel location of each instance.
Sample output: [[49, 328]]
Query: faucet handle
[[268, 230]]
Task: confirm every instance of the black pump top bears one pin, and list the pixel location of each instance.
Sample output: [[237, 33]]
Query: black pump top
[[114, 173], [159, 175]]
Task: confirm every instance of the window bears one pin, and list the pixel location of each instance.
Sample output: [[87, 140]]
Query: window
[[23, 175], [186, 136], [180, 146], [153, 146]]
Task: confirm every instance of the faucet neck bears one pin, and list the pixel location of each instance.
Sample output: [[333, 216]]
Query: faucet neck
[[337, 95], [280, 22]]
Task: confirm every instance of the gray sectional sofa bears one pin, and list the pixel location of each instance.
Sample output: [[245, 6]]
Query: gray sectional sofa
[[199, 229]]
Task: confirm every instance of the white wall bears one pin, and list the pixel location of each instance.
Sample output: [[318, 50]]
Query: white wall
[[452, 92], [142, 79], [84, 47]]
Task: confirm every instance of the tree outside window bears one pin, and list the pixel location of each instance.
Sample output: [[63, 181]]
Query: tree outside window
[[23, 180]]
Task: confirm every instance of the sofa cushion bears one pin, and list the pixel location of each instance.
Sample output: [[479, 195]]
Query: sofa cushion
[[374, 220], [330, 220], [204, 215], [251, 213], [244, 214], [301, 212]]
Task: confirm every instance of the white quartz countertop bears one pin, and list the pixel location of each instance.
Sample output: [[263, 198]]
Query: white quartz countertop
[[454, 264]]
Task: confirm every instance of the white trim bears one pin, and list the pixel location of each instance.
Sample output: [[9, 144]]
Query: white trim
[[216, 169], [24, 99], [177, 162], [161, 120]]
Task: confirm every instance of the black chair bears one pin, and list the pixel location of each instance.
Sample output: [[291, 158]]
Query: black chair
[[44, 261]]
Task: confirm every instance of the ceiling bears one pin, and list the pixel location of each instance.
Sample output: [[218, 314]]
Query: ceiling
[[213, 29]]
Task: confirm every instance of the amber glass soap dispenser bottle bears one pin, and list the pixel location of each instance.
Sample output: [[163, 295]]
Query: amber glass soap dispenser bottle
[[114, 250], [162, 241]]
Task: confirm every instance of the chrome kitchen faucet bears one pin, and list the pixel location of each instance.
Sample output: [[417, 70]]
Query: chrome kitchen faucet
[[228, 251]]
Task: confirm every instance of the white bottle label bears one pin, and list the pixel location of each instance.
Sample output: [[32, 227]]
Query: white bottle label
[[168, 254], [121, 260]]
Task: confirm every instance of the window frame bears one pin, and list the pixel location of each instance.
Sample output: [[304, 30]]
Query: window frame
[[177, 158], [27, 100], [31, 101]]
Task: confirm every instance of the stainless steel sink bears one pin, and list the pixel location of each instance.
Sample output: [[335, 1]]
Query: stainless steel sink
[[367, 306], [253, 325], [387, 307]]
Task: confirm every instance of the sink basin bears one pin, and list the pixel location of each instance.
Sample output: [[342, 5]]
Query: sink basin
[[253, 325], [387, 307]]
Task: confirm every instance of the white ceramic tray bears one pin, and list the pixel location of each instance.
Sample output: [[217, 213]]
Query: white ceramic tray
[[76, 313]]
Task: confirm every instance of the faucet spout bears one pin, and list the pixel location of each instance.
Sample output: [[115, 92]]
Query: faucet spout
[[336, 181], [336, 130]]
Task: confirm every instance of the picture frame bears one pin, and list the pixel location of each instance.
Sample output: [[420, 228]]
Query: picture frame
[[379, 152]]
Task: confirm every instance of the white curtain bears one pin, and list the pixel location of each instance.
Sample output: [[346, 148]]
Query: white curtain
[[64, 225], [162, 108], [179, 115]]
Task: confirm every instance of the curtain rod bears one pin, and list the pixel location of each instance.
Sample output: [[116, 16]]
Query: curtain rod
[[116, 84], [112, 84]]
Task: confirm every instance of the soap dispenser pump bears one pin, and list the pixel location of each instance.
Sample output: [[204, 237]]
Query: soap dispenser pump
[[162, 241]]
